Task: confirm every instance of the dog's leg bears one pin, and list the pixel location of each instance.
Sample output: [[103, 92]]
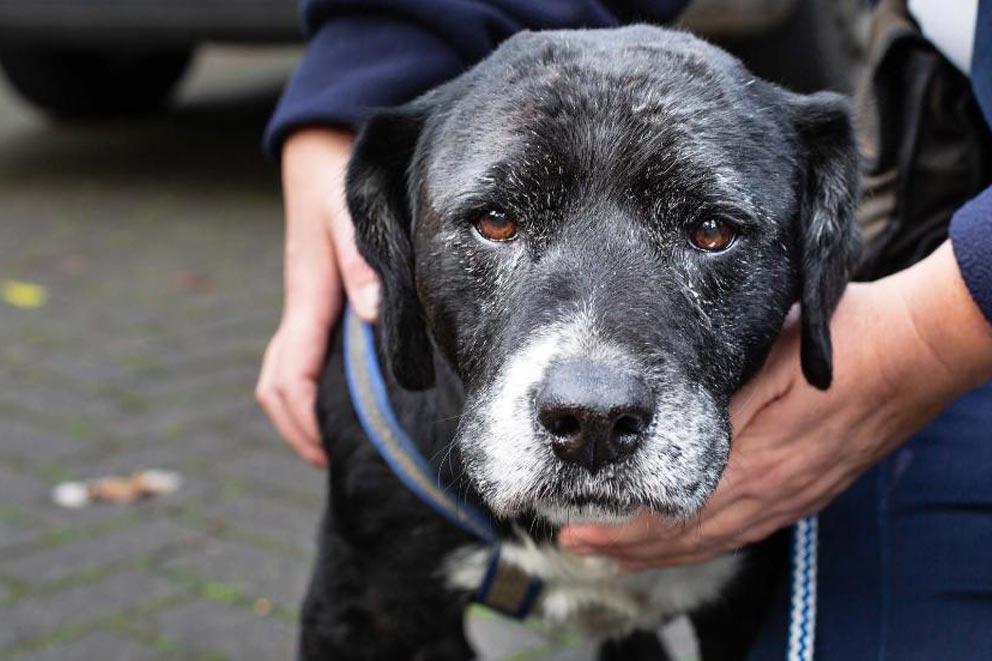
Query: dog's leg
[[375, 592], [638, 646], [351, 615], [360, 636], [454, 647]]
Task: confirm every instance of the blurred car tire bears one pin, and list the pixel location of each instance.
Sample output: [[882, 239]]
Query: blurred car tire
[[93, 84]]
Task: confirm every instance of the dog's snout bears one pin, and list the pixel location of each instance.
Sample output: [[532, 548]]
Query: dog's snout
[[595, 413]]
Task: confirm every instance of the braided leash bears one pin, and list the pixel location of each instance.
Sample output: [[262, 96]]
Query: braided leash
[[802, 614]]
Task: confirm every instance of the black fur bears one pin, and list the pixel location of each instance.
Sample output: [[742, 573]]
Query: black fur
[[607, 146]]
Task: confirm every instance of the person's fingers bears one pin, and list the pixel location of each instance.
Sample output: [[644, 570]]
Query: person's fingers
[[636, 564], [300, 398], [269, 397], [659, 552], [595, 538], [359, 279], [772, 382], [735, 527], [303, 343], [313, 303], [708, 535], [288, 429], [691, 549]]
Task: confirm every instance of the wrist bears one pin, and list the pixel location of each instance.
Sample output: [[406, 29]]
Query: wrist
[[319, 142], [953, 335], [314, 165]]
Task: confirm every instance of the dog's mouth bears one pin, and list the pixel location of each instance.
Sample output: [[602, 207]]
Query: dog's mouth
[[598, 509], [584, 510], [563, 494]]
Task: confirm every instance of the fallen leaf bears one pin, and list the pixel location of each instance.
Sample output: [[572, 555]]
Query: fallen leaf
[[117, 488], [262, 606], [189, 282], [24, 295]]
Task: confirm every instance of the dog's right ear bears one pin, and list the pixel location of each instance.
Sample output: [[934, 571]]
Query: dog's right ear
[[379, 199], [827, 235]]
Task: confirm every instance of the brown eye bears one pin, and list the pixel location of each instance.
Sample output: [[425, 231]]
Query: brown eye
[[496, 226], [712, 235]]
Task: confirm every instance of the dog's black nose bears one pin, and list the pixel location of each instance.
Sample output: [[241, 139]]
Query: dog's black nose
[[596, 414]]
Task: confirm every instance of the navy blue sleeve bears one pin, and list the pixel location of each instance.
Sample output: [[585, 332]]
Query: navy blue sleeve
[[369, 53], [971, 236], [971, 226]]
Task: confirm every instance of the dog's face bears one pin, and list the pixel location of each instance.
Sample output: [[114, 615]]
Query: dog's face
[[602, 232]]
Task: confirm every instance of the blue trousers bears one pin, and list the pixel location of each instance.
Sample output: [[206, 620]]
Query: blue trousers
[[905, 566]]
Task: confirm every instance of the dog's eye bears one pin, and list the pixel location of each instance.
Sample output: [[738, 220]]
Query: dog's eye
[[496, 226], [712, 235]]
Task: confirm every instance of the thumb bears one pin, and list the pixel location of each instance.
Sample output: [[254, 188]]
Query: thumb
[[772, 382], [360, 281]]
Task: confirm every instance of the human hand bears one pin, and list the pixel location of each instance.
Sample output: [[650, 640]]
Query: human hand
[[904, 347], [320, 260]]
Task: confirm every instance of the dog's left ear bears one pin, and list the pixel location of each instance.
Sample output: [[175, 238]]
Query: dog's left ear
[[379, 199], [827, 237]]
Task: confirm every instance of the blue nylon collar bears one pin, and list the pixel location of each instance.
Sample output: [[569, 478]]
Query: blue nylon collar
[[503, 587], [371, 403]]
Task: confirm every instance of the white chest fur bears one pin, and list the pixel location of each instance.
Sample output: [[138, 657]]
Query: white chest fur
[[593, 595]]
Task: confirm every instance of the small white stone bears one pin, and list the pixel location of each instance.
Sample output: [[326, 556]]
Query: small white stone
[[71, 494], [162, 481]]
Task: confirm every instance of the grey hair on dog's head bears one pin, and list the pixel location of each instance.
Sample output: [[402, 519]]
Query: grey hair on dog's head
[[606, 148]]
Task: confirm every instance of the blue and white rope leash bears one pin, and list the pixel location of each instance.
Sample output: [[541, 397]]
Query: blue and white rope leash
[[802, 612]]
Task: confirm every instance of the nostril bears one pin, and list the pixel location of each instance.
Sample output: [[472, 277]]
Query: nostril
[[628, 425], [593, 414], [562, 425]]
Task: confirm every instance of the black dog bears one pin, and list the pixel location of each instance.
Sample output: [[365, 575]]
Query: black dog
[[586, 243]]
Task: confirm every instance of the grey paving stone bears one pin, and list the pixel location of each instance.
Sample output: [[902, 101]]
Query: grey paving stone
[[19, 488], [255, 572], [26, 499], [181, 416], [11, 535], [58, 562], [59, 521], [238, 371], [139, 369], [35, 617], [254, 425], [82, 366], [30, 442], [291, 525], [218, 445], [191, 347], [97, 646], [62, 403], [207, 627], [280, 469]]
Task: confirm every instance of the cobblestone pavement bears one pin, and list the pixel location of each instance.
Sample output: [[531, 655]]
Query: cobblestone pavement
[[157, 243], [151, 251]]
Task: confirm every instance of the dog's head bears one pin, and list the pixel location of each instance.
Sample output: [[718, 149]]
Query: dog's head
[[602, 232]]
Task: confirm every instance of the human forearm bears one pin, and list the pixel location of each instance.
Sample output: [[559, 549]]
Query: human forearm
[[953, 337]]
